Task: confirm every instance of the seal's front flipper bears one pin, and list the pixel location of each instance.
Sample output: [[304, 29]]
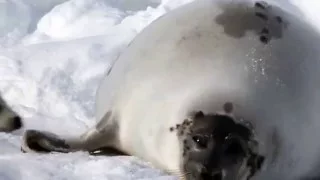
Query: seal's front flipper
[[43, 142]]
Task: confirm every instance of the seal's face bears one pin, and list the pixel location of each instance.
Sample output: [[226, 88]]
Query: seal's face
[[9, 120], [217, 148]]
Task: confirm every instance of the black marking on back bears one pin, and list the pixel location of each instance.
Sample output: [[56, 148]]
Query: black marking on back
[[228, 107], [263, 19], [262, 16], [261, 5]]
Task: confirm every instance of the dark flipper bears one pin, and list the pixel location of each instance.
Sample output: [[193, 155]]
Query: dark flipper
[[102, 136], [44, 142]]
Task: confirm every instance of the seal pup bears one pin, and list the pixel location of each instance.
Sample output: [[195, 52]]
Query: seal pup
[[9, 120], [202, 92]]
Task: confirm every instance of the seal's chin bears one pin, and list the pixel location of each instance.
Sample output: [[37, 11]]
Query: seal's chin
[[218, 175]]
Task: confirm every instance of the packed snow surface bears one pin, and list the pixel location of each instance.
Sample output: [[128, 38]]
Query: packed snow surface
[[53, 53]]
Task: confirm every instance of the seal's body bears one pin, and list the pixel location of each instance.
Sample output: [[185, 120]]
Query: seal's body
[[9, 119], [183, 93]]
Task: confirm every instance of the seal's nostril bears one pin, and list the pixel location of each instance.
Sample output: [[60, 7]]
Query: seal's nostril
[[17, 122]]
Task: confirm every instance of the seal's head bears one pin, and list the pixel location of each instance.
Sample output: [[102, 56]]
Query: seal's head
[[217, 147], [9, 120]]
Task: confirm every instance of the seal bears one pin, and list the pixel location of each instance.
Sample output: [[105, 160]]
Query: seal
[[205, 91], [9, 119]]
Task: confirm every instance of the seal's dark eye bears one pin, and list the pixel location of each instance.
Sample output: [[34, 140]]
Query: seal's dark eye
[[201, 141]]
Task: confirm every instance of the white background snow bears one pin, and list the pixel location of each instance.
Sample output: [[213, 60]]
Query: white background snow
[[53, 53]]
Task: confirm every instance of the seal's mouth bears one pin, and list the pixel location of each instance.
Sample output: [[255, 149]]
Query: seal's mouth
[[218, 175]]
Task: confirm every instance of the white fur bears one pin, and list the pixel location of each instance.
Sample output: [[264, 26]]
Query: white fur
[[184, 62]]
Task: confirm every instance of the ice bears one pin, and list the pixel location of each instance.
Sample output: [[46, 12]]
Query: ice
[[53, 53]]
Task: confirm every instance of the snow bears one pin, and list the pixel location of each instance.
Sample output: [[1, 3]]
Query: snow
[[53, 53]]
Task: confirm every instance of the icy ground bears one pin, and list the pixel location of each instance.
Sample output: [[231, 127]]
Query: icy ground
[[52, 55]]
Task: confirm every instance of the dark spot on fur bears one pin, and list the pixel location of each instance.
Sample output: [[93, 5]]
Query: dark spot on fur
[[261, 15], [187, 148], [185, 122], [279, 19], [228, 107], [181, 133], [260, 5], [264, 39], [178, 126], [185, 141], [261, 19], [171, 129]]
